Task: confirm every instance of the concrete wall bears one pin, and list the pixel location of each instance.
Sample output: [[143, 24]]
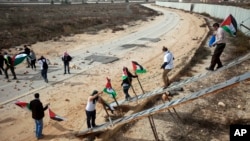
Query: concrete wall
[[241, 15]]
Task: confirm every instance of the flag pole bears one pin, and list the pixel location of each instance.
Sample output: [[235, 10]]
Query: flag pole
[[115, 100], [134, 91], [140, 83], [103, 104]]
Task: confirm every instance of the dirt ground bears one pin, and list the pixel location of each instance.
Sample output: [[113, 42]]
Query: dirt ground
[[202, 119]]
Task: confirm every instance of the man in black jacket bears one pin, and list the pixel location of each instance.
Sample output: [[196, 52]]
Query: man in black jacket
[[66, 58], [37, 110]]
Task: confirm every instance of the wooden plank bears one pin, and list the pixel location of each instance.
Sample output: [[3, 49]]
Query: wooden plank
[[189, 98]]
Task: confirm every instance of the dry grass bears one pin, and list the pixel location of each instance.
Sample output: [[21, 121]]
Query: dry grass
[[27, 24]]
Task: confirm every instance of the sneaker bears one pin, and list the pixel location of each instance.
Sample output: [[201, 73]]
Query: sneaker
[[209, 69]]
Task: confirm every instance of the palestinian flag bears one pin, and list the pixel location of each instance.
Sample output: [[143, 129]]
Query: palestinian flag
[[17, 59], [230, 25], [23, 105], [109, 90], [53, 116], [124, 74], [138, 68]]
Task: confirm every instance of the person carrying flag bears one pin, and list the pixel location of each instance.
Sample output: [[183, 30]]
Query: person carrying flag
[[91, 110], [27, 51], [220, 45], [9, 65], [167, 66], [37, 110], [127, 82]]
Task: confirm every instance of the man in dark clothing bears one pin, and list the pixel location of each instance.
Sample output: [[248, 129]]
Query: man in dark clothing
[[1, 63], [27, 51], [127, 82], [66, 58], [37, 110], [9, 65]]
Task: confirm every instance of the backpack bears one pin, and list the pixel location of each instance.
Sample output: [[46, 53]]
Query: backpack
[[45, 65], [69, 58]]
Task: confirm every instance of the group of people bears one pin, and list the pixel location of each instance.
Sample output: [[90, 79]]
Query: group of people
[[31, 60], [7, 60], [167, 66], [38, 110]]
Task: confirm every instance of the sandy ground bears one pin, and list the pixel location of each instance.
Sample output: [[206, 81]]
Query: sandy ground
[[68, 99]]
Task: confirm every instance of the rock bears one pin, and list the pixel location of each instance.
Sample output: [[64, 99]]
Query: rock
[[239, 106], [221, 104]]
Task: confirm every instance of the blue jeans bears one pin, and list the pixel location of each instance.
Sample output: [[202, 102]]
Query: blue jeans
[[39, 128]]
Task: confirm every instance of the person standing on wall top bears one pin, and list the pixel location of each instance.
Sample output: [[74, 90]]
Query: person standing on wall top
[[91, 109], [127, 83], [167, 66], [220, 44]]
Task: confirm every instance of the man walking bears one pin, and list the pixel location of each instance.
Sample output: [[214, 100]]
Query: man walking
[[167, 66], [9, 65], [44, 68], [220, 45], [37, 110], [127, 83]]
